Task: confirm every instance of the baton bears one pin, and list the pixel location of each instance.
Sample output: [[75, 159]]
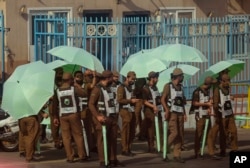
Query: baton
[[38, 147], [104, 135], [85, 139], [242, 117], [165, 138], [204, 136], [157, 131]]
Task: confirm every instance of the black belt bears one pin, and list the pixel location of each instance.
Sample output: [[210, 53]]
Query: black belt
[[66, 114], [228, 116], [178, 113], [205, 116], [113, 115]]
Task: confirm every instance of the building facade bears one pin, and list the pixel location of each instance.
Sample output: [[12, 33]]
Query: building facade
[[19, 17]]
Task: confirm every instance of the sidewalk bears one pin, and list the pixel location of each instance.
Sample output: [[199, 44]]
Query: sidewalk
[[53, 158]]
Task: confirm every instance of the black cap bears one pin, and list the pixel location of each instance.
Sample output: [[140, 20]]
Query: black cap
[[153, 74]]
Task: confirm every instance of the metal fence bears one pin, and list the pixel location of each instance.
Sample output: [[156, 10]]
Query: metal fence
[[2, 50], [114, 40]]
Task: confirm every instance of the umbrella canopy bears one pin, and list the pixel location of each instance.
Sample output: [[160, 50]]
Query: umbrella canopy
[[142, 52], [142, 64], [28, 89], [165, 76], [77, 56], [57, 63], [67, 67], [179, 53], [234, 67]]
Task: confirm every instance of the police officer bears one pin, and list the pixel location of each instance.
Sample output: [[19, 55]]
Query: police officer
[[114, 86], [140, 123], [152, 102], [55, 129], [102, 107], [202, 103], [173, 104], [69, 115], [87, 83], [216, 129], [224, 117], [29, 129], [126, 102]]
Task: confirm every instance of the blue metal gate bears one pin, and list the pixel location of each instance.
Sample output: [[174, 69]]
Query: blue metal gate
[[113, 41], [49, 33], [99, 38]]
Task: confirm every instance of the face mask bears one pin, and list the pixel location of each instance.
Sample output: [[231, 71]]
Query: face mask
[[131, 83], [109, 83], [58, 78], [79, 82]]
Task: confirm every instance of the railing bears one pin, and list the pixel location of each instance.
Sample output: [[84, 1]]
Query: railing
[[241, 102], [114, 40]]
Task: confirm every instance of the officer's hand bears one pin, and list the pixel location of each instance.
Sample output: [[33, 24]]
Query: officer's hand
[[209, 112], [56, 122], [232, 97], [134, 100], [156, 110], [197, 116], [101, 118], [166, 116], [209, 104], [77, 85], [45, 115], [185, 118]]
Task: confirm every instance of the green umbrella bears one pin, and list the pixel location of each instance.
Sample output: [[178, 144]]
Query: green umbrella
[[57, 63], [28, 89], [77, 56], [165, 76], [67, 67], [71, 68], [234, 67], [179, 53], [142, 64], [142, 52]]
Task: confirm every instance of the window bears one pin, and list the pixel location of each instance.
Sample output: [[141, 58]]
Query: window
[[43, 26], [177, 16], [45, 41]]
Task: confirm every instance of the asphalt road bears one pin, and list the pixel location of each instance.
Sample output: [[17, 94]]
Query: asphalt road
[[54, 158]]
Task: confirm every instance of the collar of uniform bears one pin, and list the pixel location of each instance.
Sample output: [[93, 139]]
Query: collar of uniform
[[178, 86], [153, 87], [224, 90], [128, 87], [203, 90]]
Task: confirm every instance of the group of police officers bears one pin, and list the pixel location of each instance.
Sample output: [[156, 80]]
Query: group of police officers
[[86, 101]]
